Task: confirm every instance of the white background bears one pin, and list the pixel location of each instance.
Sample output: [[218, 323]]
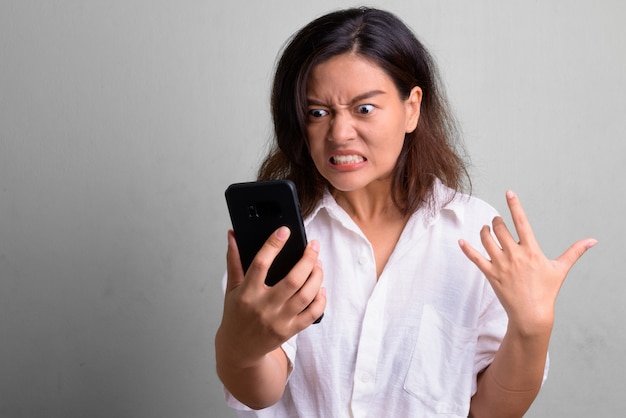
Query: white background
[[122, 122]]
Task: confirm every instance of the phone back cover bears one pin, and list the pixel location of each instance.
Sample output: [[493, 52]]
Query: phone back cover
[[257, 209]]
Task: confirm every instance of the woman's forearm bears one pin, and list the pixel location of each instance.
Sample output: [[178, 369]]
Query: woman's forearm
[[507, 388], [258, 383]]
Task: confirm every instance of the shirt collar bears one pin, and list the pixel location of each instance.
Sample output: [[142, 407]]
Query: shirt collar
[[449, 200], [328, 204], [441, 198]]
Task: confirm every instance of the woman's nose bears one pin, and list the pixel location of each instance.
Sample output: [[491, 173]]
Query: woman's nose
[[341, 128]]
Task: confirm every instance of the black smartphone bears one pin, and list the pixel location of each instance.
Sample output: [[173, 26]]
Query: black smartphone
[[259, 208]]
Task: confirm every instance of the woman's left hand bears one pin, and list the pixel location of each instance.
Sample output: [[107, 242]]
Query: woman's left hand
[[525, 281]]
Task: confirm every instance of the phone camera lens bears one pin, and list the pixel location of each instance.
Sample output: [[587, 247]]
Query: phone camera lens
[[252, 212]]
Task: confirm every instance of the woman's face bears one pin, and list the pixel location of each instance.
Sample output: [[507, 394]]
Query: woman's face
[[357, 121]]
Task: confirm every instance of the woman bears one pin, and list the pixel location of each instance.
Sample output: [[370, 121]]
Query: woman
[[417, 321]]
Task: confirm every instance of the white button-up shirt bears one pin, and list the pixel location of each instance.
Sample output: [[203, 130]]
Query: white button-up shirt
[[407, 344]]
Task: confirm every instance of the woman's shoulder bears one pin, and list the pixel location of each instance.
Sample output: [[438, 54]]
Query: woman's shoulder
[[465, 207]]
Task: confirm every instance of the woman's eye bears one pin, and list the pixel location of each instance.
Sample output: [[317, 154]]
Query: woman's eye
[[317, 113], [365, 109]]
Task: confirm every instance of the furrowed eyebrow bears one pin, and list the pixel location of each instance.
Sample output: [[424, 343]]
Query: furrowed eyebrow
[[358, 98], [366, 95]]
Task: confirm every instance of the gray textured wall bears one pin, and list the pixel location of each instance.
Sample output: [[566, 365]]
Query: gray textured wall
[[122, 122]]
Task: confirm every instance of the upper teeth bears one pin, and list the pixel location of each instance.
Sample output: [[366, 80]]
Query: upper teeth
[[346, 159]]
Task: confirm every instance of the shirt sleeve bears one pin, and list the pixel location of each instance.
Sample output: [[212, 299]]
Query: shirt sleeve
[[491, 329]]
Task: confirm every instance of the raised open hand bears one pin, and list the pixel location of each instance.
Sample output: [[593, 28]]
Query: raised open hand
[[525, 281]]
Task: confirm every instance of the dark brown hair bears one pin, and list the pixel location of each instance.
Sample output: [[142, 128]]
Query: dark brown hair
[[431, 151]]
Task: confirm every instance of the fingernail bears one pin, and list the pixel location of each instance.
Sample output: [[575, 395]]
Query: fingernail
[[315, 245], [510, 194], [283, 232], [592, 243]]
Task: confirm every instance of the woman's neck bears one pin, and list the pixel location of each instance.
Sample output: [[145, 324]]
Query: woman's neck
[[371, 203]]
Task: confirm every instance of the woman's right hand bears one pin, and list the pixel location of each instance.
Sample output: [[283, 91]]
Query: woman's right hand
[[257, 318]]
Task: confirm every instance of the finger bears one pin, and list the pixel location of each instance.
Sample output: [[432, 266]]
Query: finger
[[476, 257], [315, 310], [489, 242], [234, 269], [520, 220], [503, 234], [574, 252], [309, 290], [300, 272], [257, 272]]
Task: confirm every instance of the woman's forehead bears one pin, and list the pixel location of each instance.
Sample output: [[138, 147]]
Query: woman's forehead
[[347, 76]]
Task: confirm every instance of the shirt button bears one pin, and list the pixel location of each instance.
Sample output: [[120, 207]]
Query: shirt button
[[366, 377], [362, 260]]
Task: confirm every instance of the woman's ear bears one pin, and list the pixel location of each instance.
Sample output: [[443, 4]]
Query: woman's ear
[[413, 104]]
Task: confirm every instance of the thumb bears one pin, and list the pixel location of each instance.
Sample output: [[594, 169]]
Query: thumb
[[575, 251], [234, 270]]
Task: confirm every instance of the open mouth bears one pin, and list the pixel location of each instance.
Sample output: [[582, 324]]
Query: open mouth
[[346, 159]]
